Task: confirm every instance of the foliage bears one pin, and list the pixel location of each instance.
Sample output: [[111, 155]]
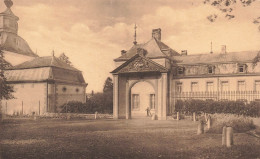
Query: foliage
[[74, 107], [97, 102], [209, 106], [238, 123], [6, 90], [65, 59], [100, 102], [227, 7], [108, 85]]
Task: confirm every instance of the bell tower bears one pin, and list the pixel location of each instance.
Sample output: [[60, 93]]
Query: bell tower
[[8, 21]]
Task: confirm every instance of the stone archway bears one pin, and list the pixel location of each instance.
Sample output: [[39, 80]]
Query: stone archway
[[142, 95]]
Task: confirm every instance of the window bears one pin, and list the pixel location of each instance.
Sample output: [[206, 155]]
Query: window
[[224, 86], [257, 85], [194, 87], [180, 70], [210, 69], [241, 68], [241, 86], [178, 87], [135, 102], [64, 89], [77, 90], [152, 101], [210, 87]]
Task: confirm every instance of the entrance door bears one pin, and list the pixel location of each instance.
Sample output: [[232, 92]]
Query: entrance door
[[142, 97]]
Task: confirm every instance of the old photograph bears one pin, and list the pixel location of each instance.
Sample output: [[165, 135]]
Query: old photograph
[[108, 79]]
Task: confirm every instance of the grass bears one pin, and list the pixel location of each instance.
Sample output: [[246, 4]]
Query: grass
[[48, 138]]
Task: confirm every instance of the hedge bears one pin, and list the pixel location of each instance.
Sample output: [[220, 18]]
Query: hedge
[[228, 107]]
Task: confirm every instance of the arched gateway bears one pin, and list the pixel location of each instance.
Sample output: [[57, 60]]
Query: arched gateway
[[142, 97], [140, 83]]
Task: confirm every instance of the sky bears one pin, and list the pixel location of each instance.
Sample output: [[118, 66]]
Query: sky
[[93, 32]]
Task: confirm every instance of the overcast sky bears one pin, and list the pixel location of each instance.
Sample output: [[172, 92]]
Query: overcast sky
[[93, 32]]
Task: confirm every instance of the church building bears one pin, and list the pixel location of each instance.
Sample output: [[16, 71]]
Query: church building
[[154, 76], [41, 84]]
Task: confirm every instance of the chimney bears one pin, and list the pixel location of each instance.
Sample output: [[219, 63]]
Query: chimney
[[157, 34], [184, 52], [123, 52], [223, 49]]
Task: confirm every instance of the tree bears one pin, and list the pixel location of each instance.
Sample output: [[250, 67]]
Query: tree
[[5, 89], [65, 59], [108, 85], [227, 7]]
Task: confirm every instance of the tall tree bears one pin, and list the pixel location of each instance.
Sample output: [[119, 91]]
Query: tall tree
[[5, 89], [65, 59], [227, 7], [108, 85]]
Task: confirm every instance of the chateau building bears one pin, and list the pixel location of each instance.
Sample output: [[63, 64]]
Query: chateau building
[[154, 76], [41, 84]]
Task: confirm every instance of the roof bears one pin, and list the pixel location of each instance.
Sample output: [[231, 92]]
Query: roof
[[245, 56], [44, 74], [139, 63], [14, 43], [47, 61], [37, 74], [155, 49], [8, 12]]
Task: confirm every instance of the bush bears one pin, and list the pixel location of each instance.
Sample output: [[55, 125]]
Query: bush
[[209, 106], [74, 107], [100, 102], [238, 123]]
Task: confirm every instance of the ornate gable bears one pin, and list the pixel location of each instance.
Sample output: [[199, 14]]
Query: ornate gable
[[139, 64]]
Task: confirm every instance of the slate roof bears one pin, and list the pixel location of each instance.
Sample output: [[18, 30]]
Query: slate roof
[[44, 74], [9, 43], [245, 56], [47, 61], [154, 48], [36, 74]]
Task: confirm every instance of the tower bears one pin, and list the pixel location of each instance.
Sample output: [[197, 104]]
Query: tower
[[8, 21]]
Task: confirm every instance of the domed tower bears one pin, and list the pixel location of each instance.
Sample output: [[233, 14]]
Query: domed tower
[[14, 46], [8, 21]]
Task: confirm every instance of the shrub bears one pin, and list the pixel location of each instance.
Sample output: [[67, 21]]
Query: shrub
[[238, 123], [209, 106], [74, 107]]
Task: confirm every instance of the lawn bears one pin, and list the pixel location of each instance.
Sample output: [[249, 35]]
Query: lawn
[[47, 138]]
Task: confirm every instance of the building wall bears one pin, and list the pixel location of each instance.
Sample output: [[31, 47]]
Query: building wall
[[219, 69], [122, 97], [29, 98], [217, 82], [225, 77], [66, 93], [32, 97]]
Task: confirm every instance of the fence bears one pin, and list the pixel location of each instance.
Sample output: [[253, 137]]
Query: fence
[[246, 96]]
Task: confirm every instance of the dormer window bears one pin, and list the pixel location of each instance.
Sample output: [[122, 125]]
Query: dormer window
[[241, 68], [211, 69], [180, 70]]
